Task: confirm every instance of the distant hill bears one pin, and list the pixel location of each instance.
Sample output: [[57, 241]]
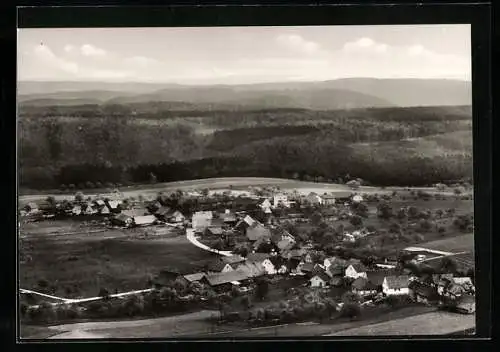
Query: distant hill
[[335, 94]]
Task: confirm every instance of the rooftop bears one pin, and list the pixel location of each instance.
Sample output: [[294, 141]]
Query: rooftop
[[397, 282]]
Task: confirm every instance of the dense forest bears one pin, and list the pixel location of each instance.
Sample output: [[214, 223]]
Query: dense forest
[[75, 145]]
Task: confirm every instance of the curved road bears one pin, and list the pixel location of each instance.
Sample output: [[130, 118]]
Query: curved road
[[192, 238]]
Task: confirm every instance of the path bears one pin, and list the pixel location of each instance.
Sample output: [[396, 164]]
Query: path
[[82, 300], [192, 238], [420, 249]]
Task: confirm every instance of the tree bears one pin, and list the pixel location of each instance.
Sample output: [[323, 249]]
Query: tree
[[384, 210], [103, 292], [448, 265], [412, 212], [356, 220], [439, 213], [262, 289], [152, 178], [205, 192], [79, 197], [316, 218], [402, 213], [350, 310], [395, 228], [425, 225]]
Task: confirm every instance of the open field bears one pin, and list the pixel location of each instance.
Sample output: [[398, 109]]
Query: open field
[[79, 265], [435, 323], [454, 244], [145, 328]]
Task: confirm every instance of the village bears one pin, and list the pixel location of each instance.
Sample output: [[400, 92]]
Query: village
[[258, 243]]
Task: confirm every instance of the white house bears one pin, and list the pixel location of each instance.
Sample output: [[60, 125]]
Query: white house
[[349, 238], [262, 259], [357, 198], [320, 280], [396, 285], [280, 200], [282, 270], [329, 199], [77, 210], [266, 204], [355, 270]]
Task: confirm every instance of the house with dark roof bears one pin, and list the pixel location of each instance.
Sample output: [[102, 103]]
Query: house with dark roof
[[319, 280], [356, 270], [233, 259], [113, 206], [377, 277], [263, 259], [363, 287], [218, 266], [335, 270], [122, 220], [224, 281], [396, 285], [306, 268], [285, 245], [422, 293], [196, 277], [252, 269], [329, 199]]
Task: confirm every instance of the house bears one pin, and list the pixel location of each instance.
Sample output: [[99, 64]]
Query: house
[[218, 266], [335, 270], [214, 231], [328, 199], [314, 199], [356, 270], [87, 209], [363, 287], [233, 259], [357, 198], [280, 200], [229, 218], [104, 210], [264, 259], [257, 231], [305, 268], [333, 260], [319, 280], [196, 277], [31, 207], [134, 212], [76, 210], [201, 219], [113, 206], [466, 304], [251, 269], [377, 277], [463, 281], [396, 285], [224, 281], [266, 204], [422, 293], [122, 220], [144, 220], [176, 217], [349, 238]]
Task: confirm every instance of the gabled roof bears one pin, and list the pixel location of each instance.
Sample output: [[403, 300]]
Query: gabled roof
[[360, 268], [397, 282], [194, 277], [134, 212], [377, 277], [252, 269], [257, 257], [216, 265], [113, 204], [224, 278], [322, 276], [335, 270]]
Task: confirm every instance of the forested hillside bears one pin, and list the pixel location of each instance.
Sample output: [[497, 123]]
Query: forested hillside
[[71, 145]]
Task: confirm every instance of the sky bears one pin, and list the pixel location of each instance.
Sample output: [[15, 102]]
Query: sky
[[240, 55]]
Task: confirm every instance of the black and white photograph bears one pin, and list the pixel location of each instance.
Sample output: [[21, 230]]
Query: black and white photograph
[[245, 182]]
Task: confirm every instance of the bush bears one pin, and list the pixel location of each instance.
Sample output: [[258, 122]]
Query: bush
[[356, 220], [350, 310], [89, 184], [71, 186], [79, 197]]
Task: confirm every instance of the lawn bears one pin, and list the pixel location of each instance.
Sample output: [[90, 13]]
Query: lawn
[[80, 266], [460, 243]]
